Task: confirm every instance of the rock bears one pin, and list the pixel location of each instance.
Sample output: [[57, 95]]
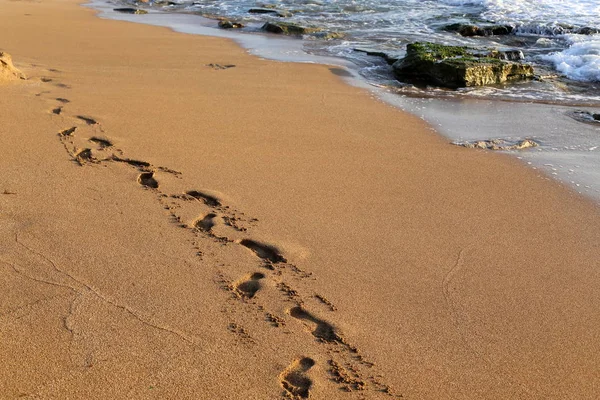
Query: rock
[[390, 59], [585, 116], [271, 11], [509, 55], [227, 24], [285, 28], [327, 35], [128, 10], [588, 31], [7, 69], [499, 144], [474, 30], [455, 66]]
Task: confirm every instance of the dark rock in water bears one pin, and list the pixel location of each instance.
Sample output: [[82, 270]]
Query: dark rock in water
[[585, 116], [588, 31], [509, 55], [474, 30], [327, 35], [390, 59], [270, 11], [455, 66], [499, 144], [128, 10], [227, 24], [285, 28]]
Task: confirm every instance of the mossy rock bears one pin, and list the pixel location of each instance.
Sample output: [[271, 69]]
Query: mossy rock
[[456, 66], [285, 28]]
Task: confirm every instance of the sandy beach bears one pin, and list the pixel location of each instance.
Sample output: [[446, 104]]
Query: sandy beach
[[181, 220]]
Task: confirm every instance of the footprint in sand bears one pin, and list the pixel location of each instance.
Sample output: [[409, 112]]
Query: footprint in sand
[[147, 179], [220, 66], [209, 200], [63, 100], [319, 328], [67, 132], [101, 142], [205, 224], [294, 379], [249, 286], [264, 251], [57, 110], [87, 120]]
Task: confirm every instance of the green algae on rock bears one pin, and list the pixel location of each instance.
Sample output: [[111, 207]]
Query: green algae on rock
[[457, 66]]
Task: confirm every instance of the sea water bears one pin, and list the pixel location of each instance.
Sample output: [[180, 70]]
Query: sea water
[[546, 31]]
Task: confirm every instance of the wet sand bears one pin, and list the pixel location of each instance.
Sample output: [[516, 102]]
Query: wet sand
[[174, 229]]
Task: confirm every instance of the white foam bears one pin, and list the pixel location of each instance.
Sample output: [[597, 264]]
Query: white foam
[[581, 60]]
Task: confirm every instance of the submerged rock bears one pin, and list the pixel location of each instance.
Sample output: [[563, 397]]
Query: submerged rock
[[585, 116], [270, 11], [474, 30], [7, 69], [588, 31], [499, 144], [390, 59], [286, 28], [456, 66], [227, 24], [128, 10]]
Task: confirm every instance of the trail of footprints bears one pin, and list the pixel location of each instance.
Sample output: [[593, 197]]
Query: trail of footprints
[[346, 366]]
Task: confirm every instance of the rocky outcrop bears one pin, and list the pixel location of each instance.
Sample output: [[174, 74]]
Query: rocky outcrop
[[285, 28], [269, 11], [227, 24], [128, 10], [474, 30], [499, 144], [456, 66], [8, 70]]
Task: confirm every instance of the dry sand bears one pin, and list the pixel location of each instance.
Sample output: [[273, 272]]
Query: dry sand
[[303, 238]]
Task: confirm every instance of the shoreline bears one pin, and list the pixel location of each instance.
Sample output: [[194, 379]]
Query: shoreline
[[267, 230], [559, 157]]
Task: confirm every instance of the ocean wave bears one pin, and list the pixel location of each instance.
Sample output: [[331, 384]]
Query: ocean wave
[[580, 61]]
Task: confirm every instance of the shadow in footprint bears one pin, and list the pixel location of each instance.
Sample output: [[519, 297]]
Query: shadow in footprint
[[209, 200], [67, 132], [205, 224], [294, 379], [63, 100], [264, 251], [220, 66], [134, 163], [147, 179], [87, 120], [250, 286], [103, 143], [320, 329], [57, 110]]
